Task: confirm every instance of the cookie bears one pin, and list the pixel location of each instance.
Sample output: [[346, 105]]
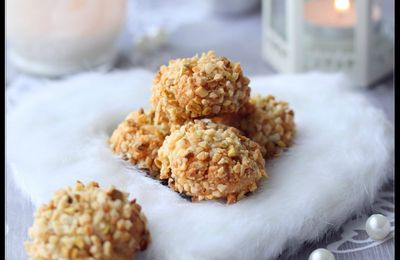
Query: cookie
[[138, 138], [196, 87], [87, 222], [206, 160], [266, 121]]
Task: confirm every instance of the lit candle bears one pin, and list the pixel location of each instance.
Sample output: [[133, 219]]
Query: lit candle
[[334, 18]]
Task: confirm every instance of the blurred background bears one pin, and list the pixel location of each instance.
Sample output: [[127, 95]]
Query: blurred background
[[54, 39], [57, 38]]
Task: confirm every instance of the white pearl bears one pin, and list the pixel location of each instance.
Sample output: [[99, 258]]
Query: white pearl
[[377, 226], [321, 254]]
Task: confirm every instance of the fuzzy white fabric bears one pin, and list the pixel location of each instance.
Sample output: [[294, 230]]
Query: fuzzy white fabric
[[339, 160]]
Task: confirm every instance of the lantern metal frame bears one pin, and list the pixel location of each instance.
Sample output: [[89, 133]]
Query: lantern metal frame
[[370, 57]]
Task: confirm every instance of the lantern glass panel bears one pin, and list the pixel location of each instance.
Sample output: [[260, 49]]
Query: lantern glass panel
[[278, 17], [381, 35], [329, 33]]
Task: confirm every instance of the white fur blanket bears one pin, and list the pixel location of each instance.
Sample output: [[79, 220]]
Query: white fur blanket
[[339, 160]]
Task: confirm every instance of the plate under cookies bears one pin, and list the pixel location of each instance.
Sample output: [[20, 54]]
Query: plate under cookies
[[340, 157]]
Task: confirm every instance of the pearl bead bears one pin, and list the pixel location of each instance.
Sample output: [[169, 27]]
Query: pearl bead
[[321, 254], [377, 226]]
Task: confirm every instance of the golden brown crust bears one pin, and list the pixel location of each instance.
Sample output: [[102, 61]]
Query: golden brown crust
[[198, 87], [206, 160], [269, 123], [86, 222], [137, 140]]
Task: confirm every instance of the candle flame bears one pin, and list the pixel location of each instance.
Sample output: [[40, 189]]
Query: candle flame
[[342, 5]]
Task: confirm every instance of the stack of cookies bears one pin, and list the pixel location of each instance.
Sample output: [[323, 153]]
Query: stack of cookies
[[204, 134]]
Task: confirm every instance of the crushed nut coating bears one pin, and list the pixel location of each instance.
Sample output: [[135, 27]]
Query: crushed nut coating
[[198, 87], [138, 138], [206, 160], [266, 121], [86, 222]]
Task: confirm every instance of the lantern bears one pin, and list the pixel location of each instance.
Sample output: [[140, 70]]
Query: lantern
[[351, 36]]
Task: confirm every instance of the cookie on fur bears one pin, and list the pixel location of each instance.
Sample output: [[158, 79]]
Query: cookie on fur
[[206, 160], [87, 222], [138, 138], [266, 121]]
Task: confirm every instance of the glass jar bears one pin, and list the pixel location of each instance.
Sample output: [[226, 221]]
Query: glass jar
[[58, 37]]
